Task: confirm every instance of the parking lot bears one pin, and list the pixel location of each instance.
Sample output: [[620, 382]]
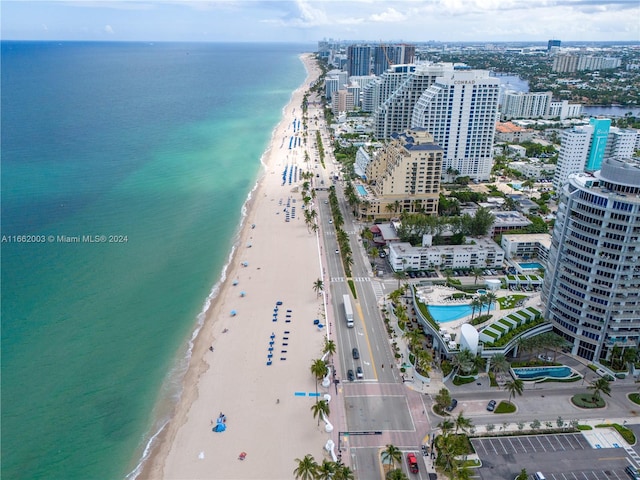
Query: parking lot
[[568, 456], [530, 444]]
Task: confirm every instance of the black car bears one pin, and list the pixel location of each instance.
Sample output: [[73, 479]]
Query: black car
[[350, 375], [491, 406], [452, 405], [355, 353], [632, 472]]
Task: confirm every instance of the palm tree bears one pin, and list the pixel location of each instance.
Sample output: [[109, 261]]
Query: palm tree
[[448, 273], [423, 361], [499, 363], [391, 454], [329, 347], [514, 387], [318, 370], [326, 470], [343, 472], [396, 474], [491, 298], [319, 408], [477, 273], [446, 425], [318, 286], [485, 301], [306, 469], [600, 385], [475, 304], [463, 423], [463, 360]]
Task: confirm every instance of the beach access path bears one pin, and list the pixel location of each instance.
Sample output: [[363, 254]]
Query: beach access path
[[267, 408]]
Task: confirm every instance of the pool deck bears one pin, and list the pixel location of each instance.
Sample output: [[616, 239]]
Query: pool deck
[[438, 295]]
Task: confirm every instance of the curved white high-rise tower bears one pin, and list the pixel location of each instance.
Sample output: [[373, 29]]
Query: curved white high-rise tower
[[591, 289]]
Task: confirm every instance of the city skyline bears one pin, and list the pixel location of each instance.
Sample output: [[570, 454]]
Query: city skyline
[[307, 21]]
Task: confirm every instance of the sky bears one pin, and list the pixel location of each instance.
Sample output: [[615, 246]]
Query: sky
[[308, 21]]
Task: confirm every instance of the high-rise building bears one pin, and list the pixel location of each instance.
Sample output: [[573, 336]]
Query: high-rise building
[[525, 105], [600, 128], [358, 60], [584, 147], [377, 92], [385, 56], [591, 290], [394, 115], [404, 175], [460, 110], [553, 43]]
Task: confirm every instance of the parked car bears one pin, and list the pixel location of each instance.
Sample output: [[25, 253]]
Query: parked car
[[413, 463], [337, 251], [359, 372], [491, 406], [350, 376], [452, 405], [632, 472], [355, 354]]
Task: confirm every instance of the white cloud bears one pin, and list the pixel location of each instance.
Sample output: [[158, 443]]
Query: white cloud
[[390, 15], [108, 29]]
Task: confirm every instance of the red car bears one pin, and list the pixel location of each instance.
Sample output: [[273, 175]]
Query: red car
[[413, 463]]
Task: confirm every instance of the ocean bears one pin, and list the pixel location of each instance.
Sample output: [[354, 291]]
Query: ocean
[[125, 167]]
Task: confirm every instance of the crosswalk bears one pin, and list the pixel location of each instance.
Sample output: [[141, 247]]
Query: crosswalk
[[355, 279], [378, 288]]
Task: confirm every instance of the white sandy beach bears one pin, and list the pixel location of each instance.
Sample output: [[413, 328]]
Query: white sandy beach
[[282, 263]]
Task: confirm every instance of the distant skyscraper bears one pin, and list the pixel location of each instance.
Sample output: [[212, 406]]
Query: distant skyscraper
[[553, 43], [358, 60], [385, 56], [460, 110], [591, 289]]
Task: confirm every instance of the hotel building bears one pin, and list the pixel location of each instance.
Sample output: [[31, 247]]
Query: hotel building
[[591, 289], [404, 176], [460, 110]]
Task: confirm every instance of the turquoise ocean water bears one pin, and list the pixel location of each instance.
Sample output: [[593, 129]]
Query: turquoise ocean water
[[154, 147]]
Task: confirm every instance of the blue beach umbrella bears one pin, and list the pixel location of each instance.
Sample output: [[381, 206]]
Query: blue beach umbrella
[[233, 313]]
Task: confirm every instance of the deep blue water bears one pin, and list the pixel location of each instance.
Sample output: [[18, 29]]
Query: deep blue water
[[155, 146]]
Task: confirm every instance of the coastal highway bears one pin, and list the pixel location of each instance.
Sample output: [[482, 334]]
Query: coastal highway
[[379, 402]]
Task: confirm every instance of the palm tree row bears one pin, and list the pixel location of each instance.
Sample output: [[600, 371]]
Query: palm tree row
[[451, 446], [542, 343], [341, 235], [309, 469]]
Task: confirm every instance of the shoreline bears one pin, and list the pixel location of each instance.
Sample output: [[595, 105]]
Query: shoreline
[[165, 457]]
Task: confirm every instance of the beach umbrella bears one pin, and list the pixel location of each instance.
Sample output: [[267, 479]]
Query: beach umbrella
[[235, 282], [242, 294], [233, 313]]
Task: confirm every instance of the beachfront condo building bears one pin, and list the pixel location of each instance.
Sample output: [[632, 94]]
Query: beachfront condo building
[[460, 110], [395, 113], [404, 176], [385, 56], [358, 60], [376, 93], [591, 289], [478, 253]]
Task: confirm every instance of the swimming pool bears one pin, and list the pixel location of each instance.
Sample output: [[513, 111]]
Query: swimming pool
[[361, 190], [535, 373], [448, 313], [531, 266]]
